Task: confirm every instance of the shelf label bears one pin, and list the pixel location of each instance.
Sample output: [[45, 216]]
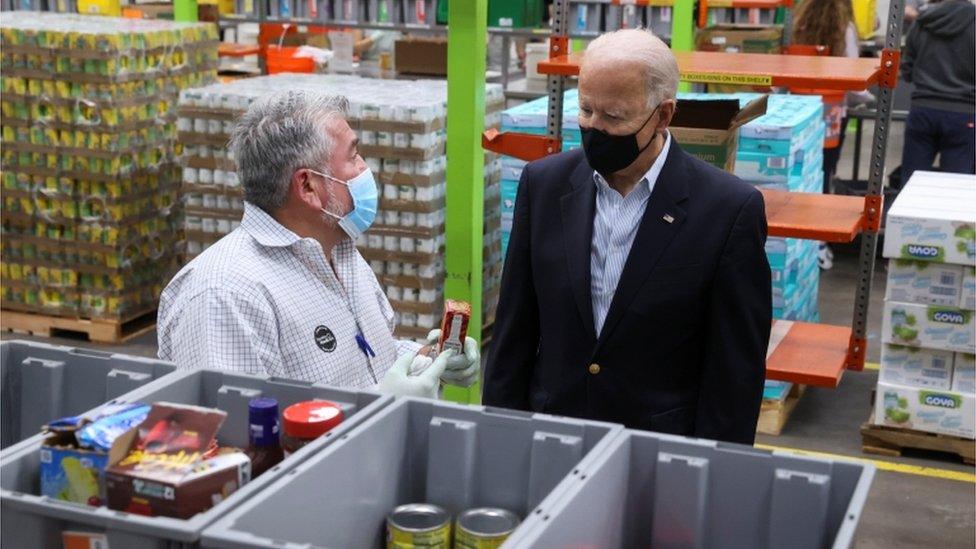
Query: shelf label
[[719, 78]]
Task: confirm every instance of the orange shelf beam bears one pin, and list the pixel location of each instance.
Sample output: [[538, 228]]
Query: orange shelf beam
[[755, 69], [237, 50], [826, 217], [810, 354]]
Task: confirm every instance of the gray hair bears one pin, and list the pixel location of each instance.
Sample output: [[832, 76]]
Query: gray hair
[[640, 46], [280, 133]]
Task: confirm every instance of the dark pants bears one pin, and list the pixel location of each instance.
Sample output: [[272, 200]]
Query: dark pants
[[931, 132], [831, 157]]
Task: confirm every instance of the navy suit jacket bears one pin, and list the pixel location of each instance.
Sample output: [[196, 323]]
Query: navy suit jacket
[[683, 347]]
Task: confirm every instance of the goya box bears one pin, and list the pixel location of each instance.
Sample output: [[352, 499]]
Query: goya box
[[945, 412], [928, 326]]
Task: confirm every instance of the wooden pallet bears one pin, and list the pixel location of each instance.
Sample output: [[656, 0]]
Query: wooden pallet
[[774, 413], [96, 330], [892, 441]]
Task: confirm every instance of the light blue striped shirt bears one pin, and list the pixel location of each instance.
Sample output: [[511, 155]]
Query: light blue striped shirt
[[614, 228]]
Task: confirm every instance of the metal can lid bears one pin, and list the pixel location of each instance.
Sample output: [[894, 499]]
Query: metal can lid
[[418, 517], [311, 419], [488, 522]]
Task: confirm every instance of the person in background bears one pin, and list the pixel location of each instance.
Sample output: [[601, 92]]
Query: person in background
[[830, 23], [938, 59], [369, 45], [287, 294], [636, 287]]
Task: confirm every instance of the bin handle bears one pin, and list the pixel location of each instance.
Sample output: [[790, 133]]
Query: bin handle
[[91, 353], [517, 414], [289, 381]]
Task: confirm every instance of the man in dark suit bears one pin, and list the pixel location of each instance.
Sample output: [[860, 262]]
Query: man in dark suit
[[636, 288]]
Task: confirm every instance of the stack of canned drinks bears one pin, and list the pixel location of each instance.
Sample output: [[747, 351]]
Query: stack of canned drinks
[[90, 183]]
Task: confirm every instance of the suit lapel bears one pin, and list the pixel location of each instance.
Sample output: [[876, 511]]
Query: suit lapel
[[661, 222], [577, 208]]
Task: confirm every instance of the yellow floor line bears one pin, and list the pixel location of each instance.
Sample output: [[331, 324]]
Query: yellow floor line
[[871, 366], [932, 472]]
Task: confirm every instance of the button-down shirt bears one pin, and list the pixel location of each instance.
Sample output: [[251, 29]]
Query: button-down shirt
[[614, 228], [264, 300]]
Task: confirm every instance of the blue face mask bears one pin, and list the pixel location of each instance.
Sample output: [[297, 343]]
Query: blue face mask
[[362, 189]]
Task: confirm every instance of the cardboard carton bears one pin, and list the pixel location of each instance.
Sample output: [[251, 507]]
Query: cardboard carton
[[159, 468], [928, 327], [967, 295], [933, 220], [737, 38], [924, 282], [964, 373], [913, 367], [421, 56], [709, 129], [945, 412]]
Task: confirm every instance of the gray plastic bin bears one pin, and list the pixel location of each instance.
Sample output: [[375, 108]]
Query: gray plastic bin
[[454, 456], [33, 521], [42, 382], [662, 491]]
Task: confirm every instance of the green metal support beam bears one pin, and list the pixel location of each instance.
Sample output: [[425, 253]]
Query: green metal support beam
[[185, 10], [466, 44], [683, 31]]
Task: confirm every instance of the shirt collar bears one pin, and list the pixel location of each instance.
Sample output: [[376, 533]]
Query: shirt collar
[[652, 173], [265, 229]]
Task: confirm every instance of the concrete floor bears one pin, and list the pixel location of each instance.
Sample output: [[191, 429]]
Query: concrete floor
[[903, 510]]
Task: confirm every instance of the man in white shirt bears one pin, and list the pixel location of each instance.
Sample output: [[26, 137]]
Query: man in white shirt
[[287, 294]]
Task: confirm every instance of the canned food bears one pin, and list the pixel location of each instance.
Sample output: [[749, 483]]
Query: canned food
[[484, 528], [418, 525]]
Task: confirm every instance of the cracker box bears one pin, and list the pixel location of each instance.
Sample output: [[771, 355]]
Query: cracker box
[[924, 282], [160, 467], [928, 326], [944, 412], [914, 367]]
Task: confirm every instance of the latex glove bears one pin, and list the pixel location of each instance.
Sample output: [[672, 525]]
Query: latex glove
[[399, 382], [462, 370]]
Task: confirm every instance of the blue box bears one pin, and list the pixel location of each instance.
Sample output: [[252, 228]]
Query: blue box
[[72, 474]]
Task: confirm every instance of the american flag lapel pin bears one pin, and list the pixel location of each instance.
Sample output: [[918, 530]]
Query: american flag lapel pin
[[669, 218]]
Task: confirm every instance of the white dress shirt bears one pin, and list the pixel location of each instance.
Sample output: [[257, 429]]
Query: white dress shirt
[[614, 228], [263, 300]]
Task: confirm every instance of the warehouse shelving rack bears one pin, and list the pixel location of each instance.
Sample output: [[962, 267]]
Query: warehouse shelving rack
[[806, 353]]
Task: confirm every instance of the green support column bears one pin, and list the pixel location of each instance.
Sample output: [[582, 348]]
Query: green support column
[[185, 10], [466, 45], [683, 31]]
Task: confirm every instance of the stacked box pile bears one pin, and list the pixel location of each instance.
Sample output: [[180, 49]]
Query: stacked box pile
[[928, 372], [783, 150], [90, 180], [780, 150], [530, 117], [401, 126]]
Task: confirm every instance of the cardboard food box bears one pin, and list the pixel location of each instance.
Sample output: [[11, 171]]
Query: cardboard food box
[[944, 412], [928, 326], [735, 38], [160, 467], [914, 367], [709, 129], [964, 373], [924, 282], [421, 56], [71, 470], [933, 219]]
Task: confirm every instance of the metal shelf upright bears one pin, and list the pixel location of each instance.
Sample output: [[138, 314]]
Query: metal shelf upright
[[806, 353]]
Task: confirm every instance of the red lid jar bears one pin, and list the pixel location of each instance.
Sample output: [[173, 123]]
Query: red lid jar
[[305, 421]]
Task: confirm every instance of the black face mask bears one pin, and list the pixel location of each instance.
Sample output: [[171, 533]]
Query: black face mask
[[607, 153]]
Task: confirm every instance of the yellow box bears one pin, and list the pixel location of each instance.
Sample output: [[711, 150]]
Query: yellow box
[[111, 8]]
